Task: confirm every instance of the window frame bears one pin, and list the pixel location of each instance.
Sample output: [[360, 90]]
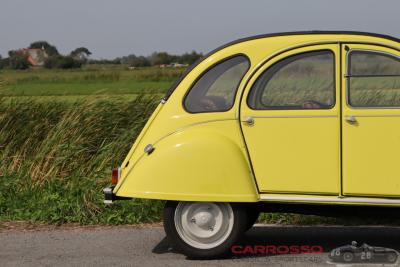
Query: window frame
[[332, 106], [205, 72], [348, 76]]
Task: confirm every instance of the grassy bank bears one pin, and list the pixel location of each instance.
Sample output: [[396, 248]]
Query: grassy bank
[[56, 158], [61, 132]]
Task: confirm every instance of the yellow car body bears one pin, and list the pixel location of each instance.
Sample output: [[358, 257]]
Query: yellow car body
[[333, 154]]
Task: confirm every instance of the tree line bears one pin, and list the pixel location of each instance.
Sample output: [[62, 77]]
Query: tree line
[[52, 59], [49, 56], [159, 58]]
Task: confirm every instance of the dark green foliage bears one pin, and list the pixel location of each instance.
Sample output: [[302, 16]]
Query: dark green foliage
[[160, 58], [140, 62], [189, 58], [116, 61], [81, 50], [155, 59], [56, 158], [18, 61], [4, 62], [51, 50], [62, 62], [80, 54], [135, 61]]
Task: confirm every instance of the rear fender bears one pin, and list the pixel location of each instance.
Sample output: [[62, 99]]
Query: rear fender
[[205, 162]]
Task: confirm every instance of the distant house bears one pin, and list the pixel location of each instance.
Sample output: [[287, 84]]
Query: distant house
[[35, 56]]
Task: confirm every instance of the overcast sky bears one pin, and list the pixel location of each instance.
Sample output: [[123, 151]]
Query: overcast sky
[[112, 28]]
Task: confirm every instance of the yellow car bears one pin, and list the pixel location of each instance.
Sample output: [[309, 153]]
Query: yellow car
[[304, 122]]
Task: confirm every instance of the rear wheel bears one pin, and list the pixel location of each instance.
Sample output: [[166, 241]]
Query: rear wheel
[[203, 229]]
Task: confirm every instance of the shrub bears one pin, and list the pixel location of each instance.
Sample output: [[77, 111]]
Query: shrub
[[62, 62], [18, 62]]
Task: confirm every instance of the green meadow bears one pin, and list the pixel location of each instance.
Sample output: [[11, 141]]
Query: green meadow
[[93, 80]]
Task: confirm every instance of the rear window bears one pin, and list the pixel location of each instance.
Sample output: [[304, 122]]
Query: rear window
[[216, 88]]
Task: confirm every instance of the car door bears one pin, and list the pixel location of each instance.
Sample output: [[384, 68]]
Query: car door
[[290, 119], [371, 121]]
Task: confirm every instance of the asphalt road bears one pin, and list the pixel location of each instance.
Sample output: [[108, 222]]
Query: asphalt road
[[127, 246]]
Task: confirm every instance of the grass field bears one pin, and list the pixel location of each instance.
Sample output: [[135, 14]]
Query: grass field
[[62, 131], [91, 81]]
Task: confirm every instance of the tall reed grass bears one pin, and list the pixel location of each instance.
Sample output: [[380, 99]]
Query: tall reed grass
[[56, 157]]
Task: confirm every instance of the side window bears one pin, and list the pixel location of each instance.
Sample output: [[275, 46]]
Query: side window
[[373, 79], [303, 81], [215, 90]]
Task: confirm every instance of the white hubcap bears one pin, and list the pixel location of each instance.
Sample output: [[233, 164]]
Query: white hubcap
[[203, 225]]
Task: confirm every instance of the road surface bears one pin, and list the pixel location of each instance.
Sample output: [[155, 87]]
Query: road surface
[[129, 246]]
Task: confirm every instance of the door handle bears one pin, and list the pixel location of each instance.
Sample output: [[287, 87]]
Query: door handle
[[351, 119], [249, 120]]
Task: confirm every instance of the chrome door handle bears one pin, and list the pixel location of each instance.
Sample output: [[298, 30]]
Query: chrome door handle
[[248, 120], [351, 119]]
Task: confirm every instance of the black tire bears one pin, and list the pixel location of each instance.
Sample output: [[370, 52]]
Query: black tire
[[239, 227], [252, 216]]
